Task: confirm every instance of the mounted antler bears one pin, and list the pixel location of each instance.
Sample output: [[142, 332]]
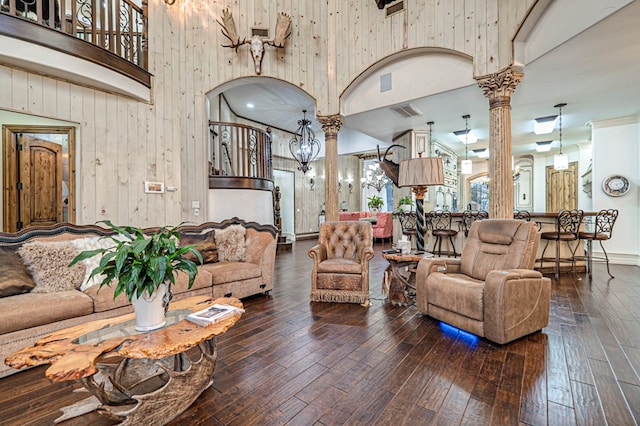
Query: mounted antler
[[283, 31], [391, 169], [229, 30]]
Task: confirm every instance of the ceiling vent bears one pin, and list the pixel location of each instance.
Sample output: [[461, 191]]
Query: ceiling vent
[[395, 8], [407, 110]]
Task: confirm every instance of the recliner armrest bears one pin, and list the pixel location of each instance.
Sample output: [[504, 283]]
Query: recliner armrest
[[427, 266], [516, 302]]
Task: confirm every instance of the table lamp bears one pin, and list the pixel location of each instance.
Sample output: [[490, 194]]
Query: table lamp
[[418, 173]]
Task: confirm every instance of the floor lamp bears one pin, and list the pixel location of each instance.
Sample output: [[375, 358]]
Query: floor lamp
[[418, 173]]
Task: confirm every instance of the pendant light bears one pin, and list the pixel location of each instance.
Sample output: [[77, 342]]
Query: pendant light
[[430, 143], [560, 160], [466, 167], [305, 149]]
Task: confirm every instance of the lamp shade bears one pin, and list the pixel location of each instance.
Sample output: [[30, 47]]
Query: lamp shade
[[422, 171], [560, 162], [466, 167]]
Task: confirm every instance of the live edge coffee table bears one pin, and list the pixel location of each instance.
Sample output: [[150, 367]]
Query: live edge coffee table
[[399, 277], [135, 377]]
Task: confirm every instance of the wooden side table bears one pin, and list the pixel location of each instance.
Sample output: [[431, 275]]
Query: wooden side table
[[135, 377], [399, 277]]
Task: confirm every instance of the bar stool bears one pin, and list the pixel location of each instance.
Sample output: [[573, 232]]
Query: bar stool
[[440, 224], [602, 230], [525, 215], [567, 229], [470, 216]]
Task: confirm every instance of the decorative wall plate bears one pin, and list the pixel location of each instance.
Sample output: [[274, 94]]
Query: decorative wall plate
[[615, 185]]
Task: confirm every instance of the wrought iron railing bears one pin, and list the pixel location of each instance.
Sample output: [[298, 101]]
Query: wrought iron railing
[[119, 26], [239, 150]]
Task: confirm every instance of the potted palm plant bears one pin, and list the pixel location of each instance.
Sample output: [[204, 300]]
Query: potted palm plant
[[144, 267]]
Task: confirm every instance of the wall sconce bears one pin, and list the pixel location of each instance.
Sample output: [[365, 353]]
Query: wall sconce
[[312, 182], [350, 182]]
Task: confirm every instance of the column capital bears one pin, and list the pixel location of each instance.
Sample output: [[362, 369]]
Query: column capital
[[330, 123], [499, 86]]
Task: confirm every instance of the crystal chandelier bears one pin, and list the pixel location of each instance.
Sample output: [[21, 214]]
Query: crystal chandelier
[[375, 178], [304, 146]]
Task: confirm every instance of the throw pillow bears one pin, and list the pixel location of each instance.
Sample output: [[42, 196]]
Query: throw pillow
[[48, 262], [204, 242], [230, 242], [14, 276], [92, 243]]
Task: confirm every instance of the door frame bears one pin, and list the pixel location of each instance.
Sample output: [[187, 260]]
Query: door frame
[[9, 153]]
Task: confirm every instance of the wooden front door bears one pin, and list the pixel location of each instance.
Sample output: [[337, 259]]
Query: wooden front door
[[33, 182], [562, 188]]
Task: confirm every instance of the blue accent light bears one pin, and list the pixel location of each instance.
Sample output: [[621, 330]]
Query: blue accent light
[[454, 332]]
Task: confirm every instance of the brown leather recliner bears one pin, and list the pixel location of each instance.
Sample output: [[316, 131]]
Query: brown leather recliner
[[492, 291], [341, 262]]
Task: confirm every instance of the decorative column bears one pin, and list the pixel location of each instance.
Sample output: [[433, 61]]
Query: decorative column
[[498, 87], [330, 126]]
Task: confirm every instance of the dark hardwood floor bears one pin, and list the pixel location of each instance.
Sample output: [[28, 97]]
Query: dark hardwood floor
[[291, 362]]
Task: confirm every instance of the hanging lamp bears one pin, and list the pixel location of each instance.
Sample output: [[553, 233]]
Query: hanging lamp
[[305, 149], [560, 160], [466, 168]]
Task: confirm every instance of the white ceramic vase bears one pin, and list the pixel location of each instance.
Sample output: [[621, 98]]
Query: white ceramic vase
[[150, 310]]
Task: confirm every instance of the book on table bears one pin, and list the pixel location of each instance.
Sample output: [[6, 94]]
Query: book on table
[[213, 314]]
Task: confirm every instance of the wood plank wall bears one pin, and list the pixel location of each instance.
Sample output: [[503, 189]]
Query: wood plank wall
[[123, 142]]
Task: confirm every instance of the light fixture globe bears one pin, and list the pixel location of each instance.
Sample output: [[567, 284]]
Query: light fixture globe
[[304, 146]]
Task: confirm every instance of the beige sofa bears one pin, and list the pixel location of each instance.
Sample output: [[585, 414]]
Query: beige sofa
[[26, 317], [492, 291]]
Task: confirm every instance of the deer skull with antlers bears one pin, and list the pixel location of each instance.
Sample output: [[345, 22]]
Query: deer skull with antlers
[[283, 31]]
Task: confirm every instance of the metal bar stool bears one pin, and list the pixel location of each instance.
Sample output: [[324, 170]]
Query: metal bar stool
[[602, 230], [525, 215], [567, 229], [470, 216], [440, 224]]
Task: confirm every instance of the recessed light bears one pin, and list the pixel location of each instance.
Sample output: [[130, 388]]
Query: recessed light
[[544, 125], [250, 105], [543, 146]]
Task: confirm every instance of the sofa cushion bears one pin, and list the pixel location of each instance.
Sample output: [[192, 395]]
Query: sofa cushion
[[225, 272], [92, 243], [231, 243], [204, 242], [49, 265], [458, 293], [33, 309], [14, 276]]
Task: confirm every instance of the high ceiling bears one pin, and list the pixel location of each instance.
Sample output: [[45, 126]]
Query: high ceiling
[[597, 73]]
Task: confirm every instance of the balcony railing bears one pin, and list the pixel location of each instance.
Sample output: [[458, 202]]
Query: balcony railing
[[240, 151], [118, 26]]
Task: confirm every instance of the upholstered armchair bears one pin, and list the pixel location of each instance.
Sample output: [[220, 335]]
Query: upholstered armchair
[[341, 262], [383, 228], [492, 290]]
